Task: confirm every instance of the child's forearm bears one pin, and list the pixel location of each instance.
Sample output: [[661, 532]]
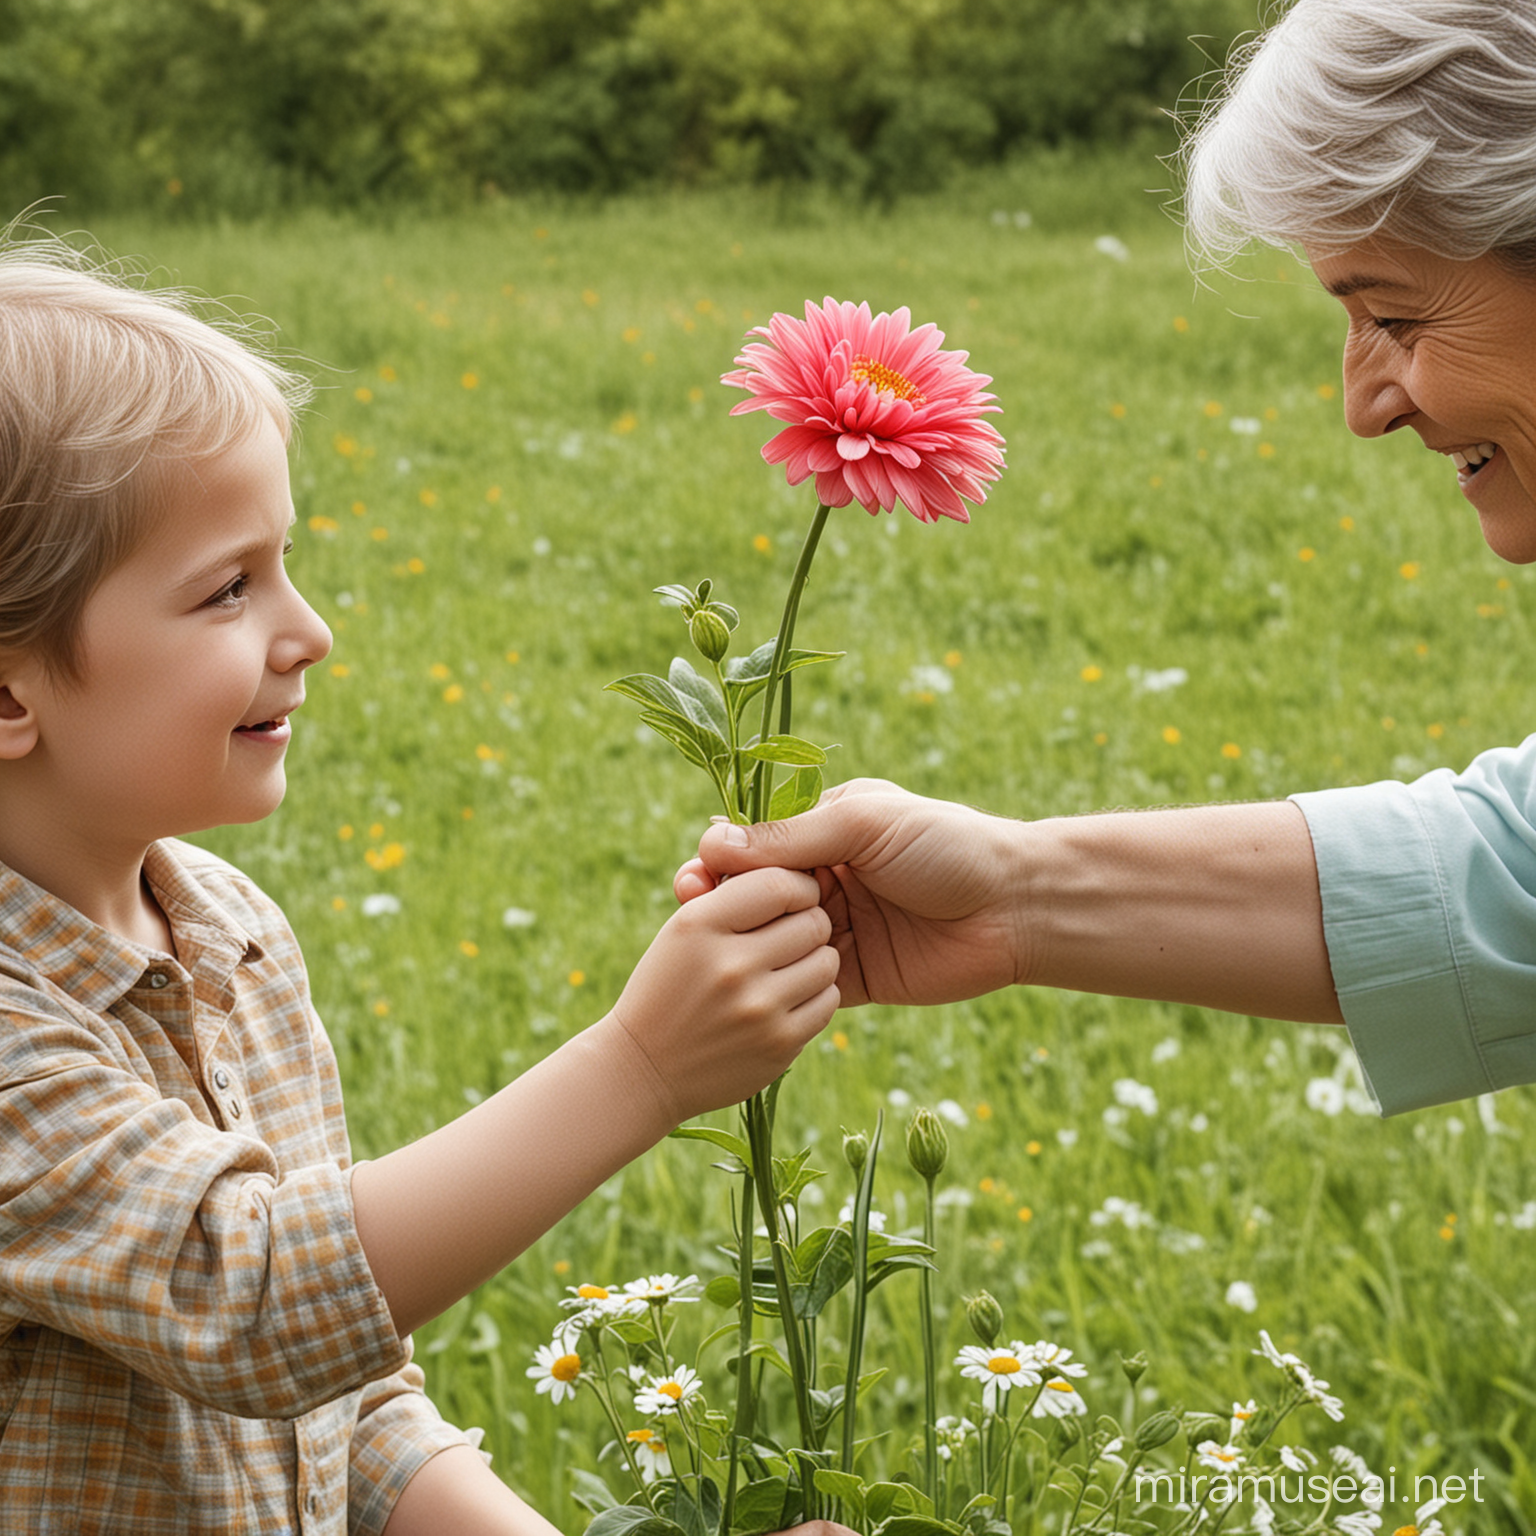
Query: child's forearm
[[457, 1494], [442, 1215]]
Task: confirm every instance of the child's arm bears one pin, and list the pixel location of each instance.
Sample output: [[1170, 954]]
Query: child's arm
[[457, 1494], [722, 1002]]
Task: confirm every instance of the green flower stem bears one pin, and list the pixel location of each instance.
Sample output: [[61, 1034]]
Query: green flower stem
[[860, 1294], [735, 803], [930, 1376], [746, 1399], [762, 780], [760, 1141], [605, 1397]]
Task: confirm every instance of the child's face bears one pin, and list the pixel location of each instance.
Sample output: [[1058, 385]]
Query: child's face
[[193, 653]]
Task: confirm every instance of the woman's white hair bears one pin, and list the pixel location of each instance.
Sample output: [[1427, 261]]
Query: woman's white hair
[[1414, 120]]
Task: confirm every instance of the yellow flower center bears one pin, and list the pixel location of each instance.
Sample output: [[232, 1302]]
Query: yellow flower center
[[566, 1368], [1224, 1455], [1003, 1365], [641, 1436], [1406, 1530], [592, 1292], [885, 380], [1060, 1386], [670, 1389]]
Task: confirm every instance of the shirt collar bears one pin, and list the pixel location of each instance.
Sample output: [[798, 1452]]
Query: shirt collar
[[97, 967]]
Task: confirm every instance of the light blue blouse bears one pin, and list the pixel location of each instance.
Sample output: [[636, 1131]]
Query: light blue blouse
[[1429, 910]]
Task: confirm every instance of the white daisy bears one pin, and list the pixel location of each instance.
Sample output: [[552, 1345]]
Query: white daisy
[[1058, 1399], [1241, 1294], [952, 1434], [1219, 1458], [1297, 1458], [659, 1288], [876, 1218], [650, 1452], [1241, 1413], [1361, 1524], [557, 1370], [666, 1394], [1424, 1522], [999, 1370], [1051, 1359]]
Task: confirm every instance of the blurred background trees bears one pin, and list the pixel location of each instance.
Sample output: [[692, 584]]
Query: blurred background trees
[[245, 105]]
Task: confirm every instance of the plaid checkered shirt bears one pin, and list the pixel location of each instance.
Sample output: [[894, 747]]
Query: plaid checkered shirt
[[190, 1337]]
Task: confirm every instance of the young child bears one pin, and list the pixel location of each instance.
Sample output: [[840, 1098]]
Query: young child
[[205, 1308]]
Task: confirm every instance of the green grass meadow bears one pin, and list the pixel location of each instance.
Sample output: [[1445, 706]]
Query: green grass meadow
[[521, 433]]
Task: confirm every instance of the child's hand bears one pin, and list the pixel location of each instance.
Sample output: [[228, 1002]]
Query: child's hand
[[731, 989]]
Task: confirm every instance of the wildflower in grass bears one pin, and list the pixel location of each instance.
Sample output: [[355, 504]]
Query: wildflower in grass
[[874, 410], [1362, 1523], [593, 1303], [1312, 1388], [1325, 1095], [1241, 1413], [1297, 1458], [650, 1452], [381, 904], [1052, 1360], [1241, 1295], [556, 1368], [1219, 1458], [1424, 1521], [998, 1370], [953, 1433], [1133, 1095], [666, 1394], [659, 1288], [1058, 1399]]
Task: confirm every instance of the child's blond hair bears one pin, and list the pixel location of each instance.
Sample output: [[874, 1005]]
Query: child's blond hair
[[103, 384]]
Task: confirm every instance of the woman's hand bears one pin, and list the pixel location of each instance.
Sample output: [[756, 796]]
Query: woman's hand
[[924, 895]]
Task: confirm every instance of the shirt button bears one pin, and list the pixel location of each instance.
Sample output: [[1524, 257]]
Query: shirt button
[[158, 979], [220, 1078]]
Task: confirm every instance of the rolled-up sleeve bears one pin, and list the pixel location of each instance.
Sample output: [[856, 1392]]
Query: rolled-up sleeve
[[398, 1430], [1429, 912]]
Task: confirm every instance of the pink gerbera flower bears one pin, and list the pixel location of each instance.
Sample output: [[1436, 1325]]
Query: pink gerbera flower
[[876, 411]]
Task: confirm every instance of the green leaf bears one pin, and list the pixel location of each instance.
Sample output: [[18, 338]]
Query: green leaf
[[701, 1518], [883, 1500], [735, 1145], [723, 1291], [683, 735], [739, 694], [832, 1269], [797, 794], [809, 658], [675, 594], [916, 1525], [653, 692], [793, 750], [591, 1492], [632, 1520], [756, 667], [760, 1505], [703, 704], [847, 1488]]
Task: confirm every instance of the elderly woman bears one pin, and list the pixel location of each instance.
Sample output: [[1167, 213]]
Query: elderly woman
[[1394, 143]]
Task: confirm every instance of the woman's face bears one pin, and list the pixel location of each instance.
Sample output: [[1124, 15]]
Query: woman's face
[[1449, 349]]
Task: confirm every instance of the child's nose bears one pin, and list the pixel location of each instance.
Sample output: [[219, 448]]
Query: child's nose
[[304, 640]]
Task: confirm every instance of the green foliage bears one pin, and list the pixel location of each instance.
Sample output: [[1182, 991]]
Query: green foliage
[[244, 105]]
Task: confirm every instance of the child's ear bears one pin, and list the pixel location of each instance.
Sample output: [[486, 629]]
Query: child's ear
[[18, 725]]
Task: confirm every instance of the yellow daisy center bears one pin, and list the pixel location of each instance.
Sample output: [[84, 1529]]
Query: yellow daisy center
[[642, 1436], [1406, 1530], [1242, 1413], [1224, 1455], [885, 380], [566, 1368], [670, 1389], [592, 1292], [1060, 1386], [1003, 1365]]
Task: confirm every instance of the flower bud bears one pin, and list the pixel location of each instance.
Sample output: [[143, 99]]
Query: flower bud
[[856, 1150], [1158, 1430], [985, 1315], [1134, 1366], [1205, 1426], [927, 1144], [709, 635]]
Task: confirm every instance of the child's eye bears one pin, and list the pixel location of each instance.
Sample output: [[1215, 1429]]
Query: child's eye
[[232, 595]]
